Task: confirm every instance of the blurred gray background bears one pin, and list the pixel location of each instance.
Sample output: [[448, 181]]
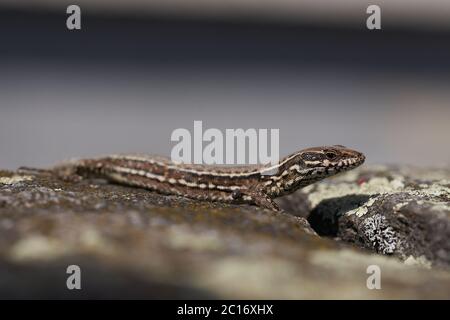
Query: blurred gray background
[[138, 70]]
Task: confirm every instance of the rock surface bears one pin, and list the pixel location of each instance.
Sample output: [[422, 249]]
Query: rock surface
[[403, 212], [131, 243]]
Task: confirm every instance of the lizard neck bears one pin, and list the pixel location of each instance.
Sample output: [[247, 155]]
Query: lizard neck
[[288, 176]]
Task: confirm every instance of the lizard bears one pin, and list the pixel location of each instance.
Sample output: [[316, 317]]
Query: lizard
[[253, 184]]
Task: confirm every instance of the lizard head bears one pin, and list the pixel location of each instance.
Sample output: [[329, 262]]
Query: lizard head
[[311, 165], [330, 160]]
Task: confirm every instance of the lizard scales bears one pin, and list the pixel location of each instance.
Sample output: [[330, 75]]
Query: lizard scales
[[257, 185]]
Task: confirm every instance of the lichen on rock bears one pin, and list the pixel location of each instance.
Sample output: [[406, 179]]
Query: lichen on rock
[[391, 210], [154, 246], [380, 234]]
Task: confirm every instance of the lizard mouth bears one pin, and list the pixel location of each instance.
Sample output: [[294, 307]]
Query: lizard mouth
[[351, 162]]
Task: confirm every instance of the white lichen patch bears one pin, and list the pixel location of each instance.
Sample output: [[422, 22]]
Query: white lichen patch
[[437, 189], [381, 236], [15, 179], [181, 237], [397, 184], [40, 247], [346, 259], [246, 276], [400, 205], [36, 247], [420, 261], [377, 185], [362, 210], [91, 240]]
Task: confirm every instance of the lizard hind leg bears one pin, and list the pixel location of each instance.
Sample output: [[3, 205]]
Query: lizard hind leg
[[69, 170]]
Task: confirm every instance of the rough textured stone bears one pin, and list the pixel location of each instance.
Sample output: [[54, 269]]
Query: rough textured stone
[[131, 243], [393, 211]]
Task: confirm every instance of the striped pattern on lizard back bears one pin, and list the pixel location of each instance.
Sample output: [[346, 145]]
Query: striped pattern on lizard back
[[234, 184]]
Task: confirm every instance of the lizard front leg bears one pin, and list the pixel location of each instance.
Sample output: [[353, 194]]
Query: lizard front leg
[[264, 201], [255, 197]]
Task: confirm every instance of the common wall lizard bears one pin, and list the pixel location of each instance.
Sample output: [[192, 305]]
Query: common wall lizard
[[257, 185]]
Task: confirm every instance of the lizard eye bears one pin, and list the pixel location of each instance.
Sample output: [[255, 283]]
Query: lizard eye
[[331, 155]]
